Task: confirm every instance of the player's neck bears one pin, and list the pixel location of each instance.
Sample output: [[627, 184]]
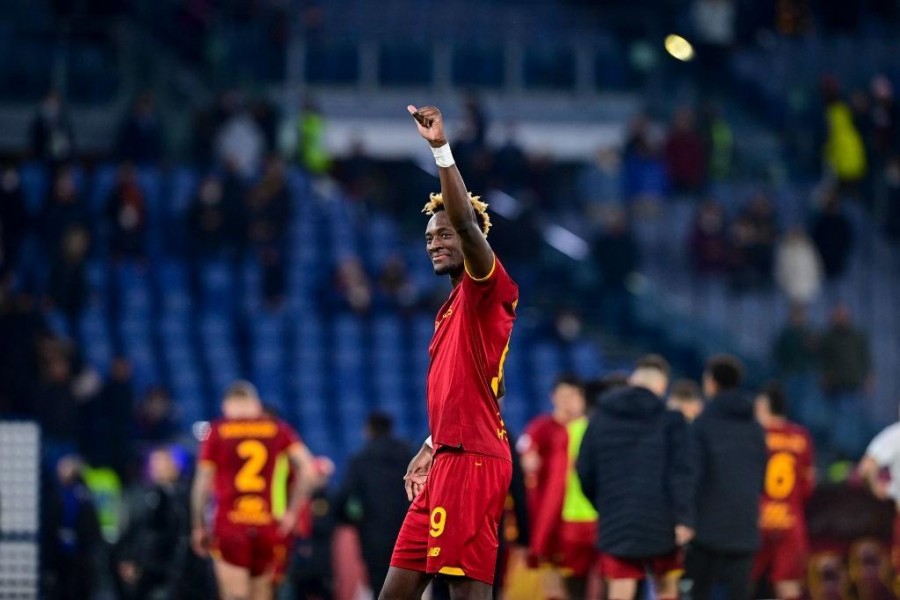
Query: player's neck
[[456, 279], [775, 421]]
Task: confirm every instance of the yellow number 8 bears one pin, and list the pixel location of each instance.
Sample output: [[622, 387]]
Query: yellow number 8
[[438, 521], [781, 475]]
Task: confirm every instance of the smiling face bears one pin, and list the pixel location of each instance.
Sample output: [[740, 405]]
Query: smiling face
[[442, 244]]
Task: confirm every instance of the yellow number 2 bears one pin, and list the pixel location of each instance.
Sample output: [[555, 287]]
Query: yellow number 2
[[438, 521], [248, 479], [781, 475]]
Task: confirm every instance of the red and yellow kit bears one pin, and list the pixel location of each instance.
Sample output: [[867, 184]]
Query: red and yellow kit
[[243, 454], [451, 527], [788, 485]]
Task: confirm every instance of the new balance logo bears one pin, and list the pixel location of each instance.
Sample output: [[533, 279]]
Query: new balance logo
[[432, 552]]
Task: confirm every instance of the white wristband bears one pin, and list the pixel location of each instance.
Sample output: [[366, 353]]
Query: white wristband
[[428, 441], [442, 156]]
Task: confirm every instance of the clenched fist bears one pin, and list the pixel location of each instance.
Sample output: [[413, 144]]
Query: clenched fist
[[430, 124]]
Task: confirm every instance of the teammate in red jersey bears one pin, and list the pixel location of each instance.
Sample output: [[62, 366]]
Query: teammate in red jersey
[[563, 523], [236, 468], [789, 482], [459, 486]]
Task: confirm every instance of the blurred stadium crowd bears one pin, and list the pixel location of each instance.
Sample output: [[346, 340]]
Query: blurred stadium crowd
[[137, 283]]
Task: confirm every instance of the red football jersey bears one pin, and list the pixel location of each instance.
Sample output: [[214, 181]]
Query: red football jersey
[[789, 477], [471, 339], [244, 453], [546, 489]]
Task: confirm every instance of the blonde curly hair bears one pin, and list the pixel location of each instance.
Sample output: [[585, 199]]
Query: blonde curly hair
[[436, 204]]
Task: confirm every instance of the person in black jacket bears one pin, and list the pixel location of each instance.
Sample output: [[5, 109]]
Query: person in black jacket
[[635, 467], [376, 509], [731, 460]]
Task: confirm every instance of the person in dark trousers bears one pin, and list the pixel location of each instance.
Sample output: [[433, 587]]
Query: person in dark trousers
[[730, 454], [635, 467], [377, 510], [152, 550]]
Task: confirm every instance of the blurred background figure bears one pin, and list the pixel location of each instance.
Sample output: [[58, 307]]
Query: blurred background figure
[[686, 398], [375, 510]]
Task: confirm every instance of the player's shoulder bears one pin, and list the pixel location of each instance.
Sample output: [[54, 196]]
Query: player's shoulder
[[540, 423]]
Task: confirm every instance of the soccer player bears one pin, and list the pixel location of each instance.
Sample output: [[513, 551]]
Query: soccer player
[[459, 479], [236, 468], [789, 482], [563, 522]]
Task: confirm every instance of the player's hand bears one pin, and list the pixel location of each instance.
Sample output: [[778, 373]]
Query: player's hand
[[430, 124], [287, 524], [683, 535], [417, 472], [200, 541]]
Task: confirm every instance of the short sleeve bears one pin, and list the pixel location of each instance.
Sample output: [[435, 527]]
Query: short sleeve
[[885, 448], [209, 449], [496, 284], [286, 438]]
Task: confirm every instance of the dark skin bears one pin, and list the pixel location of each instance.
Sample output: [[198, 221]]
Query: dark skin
[[455, 244]]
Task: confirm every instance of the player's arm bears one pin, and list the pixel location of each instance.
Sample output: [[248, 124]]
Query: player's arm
[[870, 471], [477, 253], [201, 491], [418, 469], [305, 483]]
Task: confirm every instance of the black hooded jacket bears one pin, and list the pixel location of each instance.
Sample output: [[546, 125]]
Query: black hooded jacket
[[731, 462], [635, 468]]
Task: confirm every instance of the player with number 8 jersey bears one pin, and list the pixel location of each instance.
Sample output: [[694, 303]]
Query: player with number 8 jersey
[[459, 481]]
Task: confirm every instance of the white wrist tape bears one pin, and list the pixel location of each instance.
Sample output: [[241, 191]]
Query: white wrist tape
[[442, 156], [428, 441]]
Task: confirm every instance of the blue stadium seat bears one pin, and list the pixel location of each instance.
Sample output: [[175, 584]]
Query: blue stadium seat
[[35, 185]]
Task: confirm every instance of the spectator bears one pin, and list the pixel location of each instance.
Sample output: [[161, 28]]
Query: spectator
[[68, 290], [511, 163], [63, 210], [21, 325], [217, 217], [645, 176], [52, 140], [708, 240], [109, 419], [352, 287], [833, 236], [72, 535], [395, 284], [268, 207], [731, 459], [600, 182], [126, 210], [266, 116], [635, 448], [719, 139], [753, 236], [14, 222], [155, 418], [376, 511], [238, 140], [686, 159], [798, 267], [140, 134], [796, 347], [883, 118], [311, 149], [844, 153], [686, 398], [55, 405], [892, 199], [617, 256], [152, 549], [845, 355]]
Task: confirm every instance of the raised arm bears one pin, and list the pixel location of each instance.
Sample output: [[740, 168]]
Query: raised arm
[[476, 251]]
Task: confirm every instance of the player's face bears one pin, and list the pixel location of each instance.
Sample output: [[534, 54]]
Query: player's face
[[569, 399], [442, 244]]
